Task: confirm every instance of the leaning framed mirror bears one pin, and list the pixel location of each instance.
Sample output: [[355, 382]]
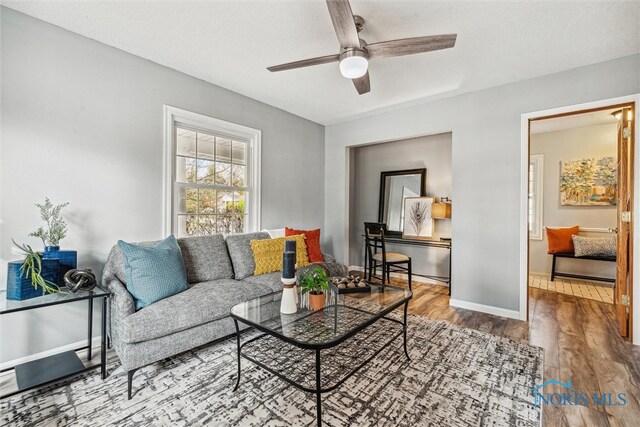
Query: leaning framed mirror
[[395, 186]]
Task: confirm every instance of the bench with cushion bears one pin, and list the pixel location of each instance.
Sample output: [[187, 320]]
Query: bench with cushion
[[555, 273]]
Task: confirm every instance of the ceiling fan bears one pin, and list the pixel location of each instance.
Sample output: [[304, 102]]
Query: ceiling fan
[[355, 53]]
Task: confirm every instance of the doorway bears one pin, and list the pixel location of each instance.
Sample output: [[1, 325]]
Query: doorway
[[579, 189]]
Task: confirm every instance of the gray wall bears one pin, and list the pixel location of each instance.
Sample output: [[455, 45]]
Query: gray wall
[[570, 144], [486, 153], [430, 152], [82, 122]]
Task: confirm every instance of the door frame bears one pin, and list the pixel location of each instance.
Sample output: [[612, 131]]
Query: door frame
[[524, 178]]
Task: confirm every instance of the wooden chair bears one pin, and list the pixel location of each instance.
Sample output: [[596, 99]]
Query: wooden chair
[[377, 255]]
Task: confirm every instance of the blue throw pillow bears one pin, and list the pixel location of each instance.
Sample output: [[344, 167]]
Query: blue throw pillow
[[153, 272]]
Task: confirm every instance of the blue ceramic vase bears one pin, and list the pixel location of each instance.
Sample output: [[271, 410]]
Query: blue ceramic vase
[[20, 287], [68, 260]]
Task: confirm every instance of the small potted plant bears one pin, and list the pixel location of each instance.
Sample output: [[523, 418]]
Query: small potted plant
[[33, 271], [315, 284], [56, 226]]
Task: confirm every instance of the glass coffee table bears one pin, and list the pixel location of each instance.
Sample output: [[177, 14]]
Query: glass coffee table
[[317, 351]]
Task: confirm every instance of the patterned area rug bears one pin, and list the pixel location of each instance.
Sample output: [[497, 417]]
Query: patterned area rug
[[457, 377]]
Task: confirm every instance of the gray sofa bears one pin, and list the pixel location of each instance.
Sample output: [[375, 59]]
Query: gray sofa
[[220, 275]]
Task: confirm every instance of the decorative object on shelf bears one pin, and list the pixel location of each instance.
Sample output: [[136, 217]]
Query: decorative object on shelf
[[441, 210], [56, 226], [67, 260], [589, 182], [77, 280], [418, 223], [349, 284], [32, 277], [56, 230], [315, 284]]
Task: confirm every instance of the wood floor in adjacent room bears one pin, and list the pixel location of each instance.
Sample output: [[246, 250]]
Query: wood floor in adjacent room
[[580, 340]]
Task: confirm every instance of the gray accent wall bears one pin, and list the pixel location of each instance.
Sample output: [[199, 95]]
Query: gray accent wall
[[486, 160], [430, 152], [83, 122], [571, 144]]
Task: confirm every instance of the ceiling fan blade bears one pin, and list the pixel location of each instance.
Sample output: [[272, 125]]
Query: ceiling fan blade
[[343, 23], [411, 46], [362, 84], [305, 63]]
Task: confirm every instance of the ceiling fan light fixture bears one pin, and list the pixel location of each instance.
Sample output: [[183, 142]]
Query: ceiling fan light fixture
[[353, 64]]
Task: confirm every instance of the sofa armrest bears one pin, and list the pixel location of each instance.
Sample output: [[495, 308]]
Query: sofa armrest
[[121, 303], [328, 257]]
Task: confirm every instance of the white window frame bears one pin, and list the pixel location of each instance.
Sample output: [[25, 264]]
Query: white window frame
[[172, 116], [537, 161]]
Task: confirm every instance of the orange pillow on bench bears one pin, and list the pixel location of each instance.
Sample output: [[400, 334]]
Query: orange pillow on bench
[[313, 242], [560, 240]]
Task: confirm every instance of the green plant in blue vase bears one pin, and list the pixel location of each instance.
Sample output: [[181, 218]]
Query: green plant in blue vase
[[56, 227], [31, 269]]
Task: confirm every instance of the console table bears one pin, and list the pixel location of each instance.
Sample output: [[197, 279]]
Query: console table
[[441, 244], [50, 369]]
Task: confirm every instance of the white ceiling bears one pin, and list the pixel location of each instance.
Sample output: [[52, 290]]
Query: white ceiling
[[596, 118], [231, 43]]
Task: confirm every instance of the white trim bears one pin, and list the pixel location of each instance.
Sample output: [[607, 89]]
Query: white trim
[[414, 279], [489, 309], [538, 162], [254, 136], [524, 172], [95, 342]]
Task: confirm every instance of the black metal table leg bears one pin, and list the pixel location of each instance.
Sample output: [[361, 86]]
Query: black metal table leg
[[239, 364], [318, 396], [406, 307], [103, 340], [90, 328]]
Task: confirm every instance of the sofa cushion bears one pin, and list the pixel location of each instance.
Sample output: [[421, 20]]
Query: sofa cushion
[[239, 247], [312, 242], [267, 254], [272, 280], [206, 258], [201, 303], [153, 272]]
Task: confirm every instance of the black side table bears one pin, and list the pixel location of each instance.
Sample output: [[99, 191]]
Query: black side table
[[51, 369]]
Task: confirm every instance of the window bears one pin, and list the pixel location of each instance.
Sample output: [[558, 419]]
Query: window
[[212, 175], [536, 170]]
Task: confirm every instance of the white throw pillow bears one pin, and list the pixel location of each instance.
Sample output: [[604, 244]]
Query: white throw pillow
[[278, 232]]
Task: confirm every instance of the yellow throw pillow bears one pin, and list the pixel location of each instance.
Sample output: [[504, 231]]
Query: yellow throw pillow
[[267, 253]]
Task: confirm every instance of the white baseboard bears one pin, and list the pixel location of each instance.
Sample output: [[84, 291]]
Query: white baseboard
[[95, 342], [414, 279], [496, 311]]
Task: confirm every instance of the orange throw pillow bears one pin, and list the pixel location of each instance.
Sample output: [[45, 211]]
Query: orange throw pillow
[[313, 242], [560, 241]]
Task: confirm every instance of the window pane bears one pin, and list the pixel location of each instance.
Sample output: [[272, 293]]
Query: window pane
[[238, 223], [239, 153], [186, 142], [207, 225], [205, 146], [223, 173], [239, 202], [223, 149], [239, 176], [187, 200], [206, 172], [225, 201], [207, 201], [187, 225], [185, 169], [224, 224]]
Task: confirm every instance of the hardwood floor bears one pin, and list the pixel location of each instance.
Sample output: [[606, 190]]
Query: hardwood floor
[[580, 341]]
